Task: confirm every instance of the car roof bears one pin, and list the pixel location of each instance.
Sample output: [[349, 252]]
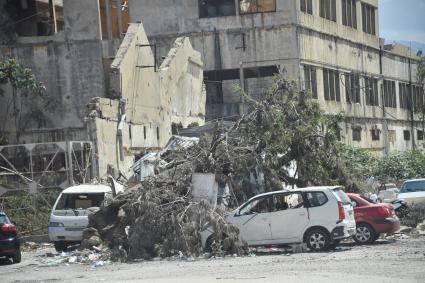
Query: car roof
[[414, 180], [87, 188], [307, 189]]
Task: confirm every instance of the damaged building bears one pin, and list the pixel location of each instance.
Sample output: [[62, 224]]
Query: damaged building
[[111, 97], [332, 48]]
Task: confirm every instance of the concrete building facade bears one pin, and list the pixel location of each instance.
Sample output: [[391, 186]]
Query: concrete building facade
[[331, 47], [89, 57]]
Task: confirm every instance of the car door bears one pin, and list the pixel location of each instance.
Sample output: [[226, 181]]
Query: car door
[[289, 217], [253, 221]]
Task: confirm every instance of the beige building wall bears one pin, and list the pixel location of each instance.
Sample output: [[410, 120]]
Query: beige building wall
[[146, 101]]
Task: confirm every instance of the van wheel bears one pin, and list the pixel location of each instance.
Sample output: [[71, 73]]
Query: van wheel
[[60, 246], [364, 234], [17, 256], [317, 240]]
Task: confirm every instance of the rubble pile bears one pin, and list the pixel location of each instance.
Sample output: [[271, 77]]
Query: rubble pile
[[161, 217], [88, 257], [415, 216]]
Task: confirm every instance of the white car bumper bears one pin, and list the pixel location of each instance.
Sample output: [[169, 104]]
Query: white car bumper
[[68, 234]]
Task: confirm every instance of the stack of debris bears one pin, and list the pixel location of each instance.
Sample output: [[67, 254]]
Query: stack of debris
[[161, 216]]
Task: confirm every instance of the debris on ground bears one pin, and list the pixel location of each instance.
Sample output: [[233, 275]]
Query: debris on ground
[[88, 257], [415, 216]]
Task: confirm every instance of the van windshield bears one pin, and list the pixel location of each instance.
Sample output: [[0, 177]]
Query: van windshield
[[80, 201], [411, 187], [343, 197]]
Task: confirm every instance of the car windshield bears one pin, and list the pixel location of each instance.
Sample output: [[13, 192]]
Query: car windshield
[[413, 186], [343, 197], [80, 201], [4, 219]]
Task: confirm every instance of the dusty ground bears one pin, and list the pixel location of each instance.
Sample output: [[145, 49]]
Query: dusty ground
[[386, 261]]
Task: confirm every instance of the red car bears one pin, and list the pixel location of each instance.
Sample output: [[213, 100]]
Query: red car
[[372, 219]]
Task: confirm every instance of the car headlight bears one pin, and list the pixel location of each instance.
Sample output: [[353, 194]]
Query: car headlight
[[56, 224]]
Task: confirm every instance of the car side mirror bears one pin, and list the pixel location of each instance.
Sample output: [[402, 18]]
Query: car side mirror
[[353, 203]]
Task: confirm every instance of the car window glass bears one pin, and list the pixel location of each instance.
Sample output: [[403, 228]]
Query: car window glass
[[80, 201], [415, 186], [342, 196], [260, 205], [287, 201], [316, 198], [3, 219]]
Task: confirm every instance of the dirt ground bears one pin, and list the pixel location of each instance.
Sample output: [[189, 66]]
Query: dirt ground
[[400, 260]]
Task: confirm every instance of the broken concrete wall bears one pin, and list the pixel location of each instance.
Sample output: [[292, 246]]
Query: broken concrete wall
[[181, 84], [154, 98]]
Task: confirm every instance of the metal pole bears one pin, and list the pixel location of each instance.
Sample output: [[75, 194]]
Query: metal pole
[[242, 86]]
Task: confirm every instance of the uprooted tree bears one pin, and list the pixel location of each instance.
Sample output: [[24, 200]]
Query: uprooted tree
[[161, 218], [22, 99]]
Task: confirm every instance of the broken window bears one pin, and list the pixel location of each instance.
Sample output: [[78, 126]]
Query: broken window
[[349, 13], [371, 91], [216, 8], [288, 201], [406, 134], [306, 6], [259, 205], [310, 80], [357, 134], [420, 135], [375, 133], [328, 9], [368, 14], [389, 94], [35, 17], [352, 88], [331, 85], [256, 6]]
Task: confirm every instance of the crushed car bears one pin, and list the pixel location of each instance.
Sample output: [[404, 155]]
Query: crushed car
[[317, 216]]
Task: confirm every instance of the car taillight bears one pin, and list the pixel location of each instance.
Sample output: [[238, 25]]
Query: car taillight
[[8, 228], [383, 211], [341, 211]]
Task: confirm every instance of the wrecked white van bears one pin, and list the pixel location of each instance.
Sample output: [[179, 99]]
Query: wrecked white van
[[69, 216]]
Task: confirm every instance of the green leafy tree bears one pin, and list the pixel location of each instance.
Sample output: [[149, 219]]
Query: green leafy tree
[[23, 98]]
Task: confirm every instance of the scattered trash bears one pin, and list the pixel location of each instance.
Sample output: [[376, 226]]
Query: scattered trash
[[89, 257]]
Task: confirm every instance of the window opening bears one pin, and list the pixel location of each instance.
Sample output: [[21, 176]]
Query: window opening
[[328, 9], [349, 13], [352, 88], [310, 80], [368, 19], [331, 85], [216, 8], [306, 6], [406, 135]]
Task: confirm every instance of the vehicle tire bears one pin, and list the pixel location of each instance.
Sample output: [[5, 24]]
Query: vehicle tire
[[208, 244], [402, 212], [60, 246], [17, 256], [317, 240], [334, 244], [364, 234]]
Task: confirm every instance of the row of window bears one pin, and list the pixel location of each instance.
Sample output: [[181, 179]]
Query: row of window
[[327, 10], [351, 83], [376, 134]]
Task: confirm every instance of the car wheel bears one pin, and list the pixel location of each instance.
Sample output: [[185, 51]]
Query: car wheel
[[317, 240], [60, 246], [17, 257], [364, 234]]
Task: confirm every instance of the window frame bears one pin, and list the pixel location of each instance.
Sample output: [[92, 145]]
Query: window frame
[[358, 136], [307, 200], [331, 85], [308, 6], [327, 10], [390, 96], [369, 18], [406, 135], [310, 80], [201, 11], [352, 88], [371, 91], [350, 21]]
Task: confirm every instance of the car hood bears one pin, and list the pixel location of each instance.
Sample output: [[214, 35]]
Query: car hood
[[413, 197]]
